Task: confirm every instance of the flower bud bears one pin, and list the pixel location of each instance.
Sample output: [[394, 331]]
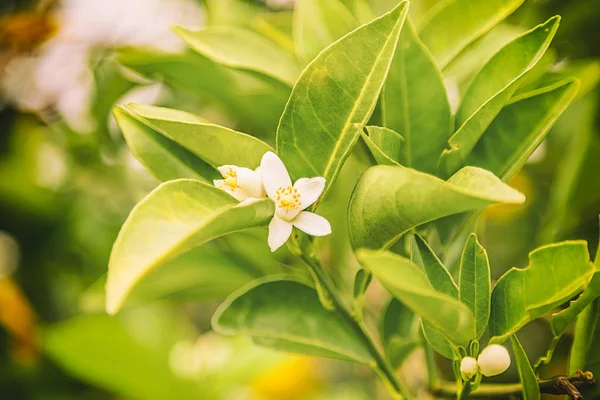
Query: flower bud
[[468, 368], [493, 360]]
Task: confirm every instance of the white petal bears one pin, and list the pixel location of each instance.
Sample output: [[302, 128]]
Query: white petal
[[310, 190], [250, 181], [219, 183], [239, 193], [224, 169], [274, 174], [287, 215], [248, 201], [279, 232], [312, 224]]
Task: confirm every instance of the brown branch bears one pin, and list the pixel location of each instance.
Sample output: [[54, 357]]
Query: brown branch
[[558, 385]]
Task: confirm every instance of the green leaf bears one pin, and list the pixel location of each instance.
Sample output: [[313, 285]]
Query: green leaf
[[438, 275], [416, 104], [399, 349], [253, 101], [555, 273], [492, 89], [385, 144], [409, 284], [362, 280], [214, 144], [397, 321], [441, 281], [453, 24], [317, 24], [162, 157], [334, 94], [204, 273], [475, 283], [287, 315], [562, 319], [242, 49], [388, 201], [531, 388], [98, 349], [520, 128], [174, 218]]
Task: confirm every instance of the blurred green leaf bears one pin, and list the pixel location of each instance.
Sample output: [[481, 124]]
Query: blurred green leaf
[[384, 144], [387, 201], [243, 49], [475, 283], [409, 284], [288, 316], [162, 157], [531, 388], [492, 89], [98, 349], [520, 128], [213, 144], [452, 25], [555, 273], [174, 218], [416, 104], [334, 98], [438, 341], [397, 321], [317, 24]]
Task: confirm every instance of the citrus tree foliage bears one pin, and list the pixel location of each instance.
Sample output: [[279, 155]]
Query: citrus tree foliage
[[352, 85]]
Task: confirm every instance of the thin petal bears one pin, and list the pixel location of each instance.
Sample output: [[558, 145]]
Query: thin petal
[[224, 169], [279, 232], [274, 174], [310, 190], [219, 183], [287, 215], [312, 224], [250, 181]]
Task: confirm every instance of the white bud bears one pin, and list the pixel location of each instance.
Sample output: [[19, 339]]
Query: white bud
[[493, 360], [468, 368]]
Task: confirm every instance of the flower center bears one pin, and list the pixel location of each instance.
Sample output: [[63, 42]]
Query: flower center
[[231, 179], [287, 197]]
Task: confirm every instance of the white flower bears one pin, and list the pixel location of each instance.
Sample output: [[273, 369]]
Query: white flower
[[493, 360], [468, 368], [242, 183], [290, 201]]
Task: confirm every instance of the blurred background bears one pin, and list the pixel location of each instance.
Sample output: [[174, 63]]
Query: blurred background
[[68, 181]]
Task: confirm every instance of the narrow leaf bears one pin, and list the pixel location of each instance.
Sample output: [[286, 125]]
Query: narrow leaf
[[492, 89], [385, 144], [555, 273], [564, 318], [475, 284], [317, 24], [409, 284], [438, 275], [531, 388], [438, 341], [387, 201], [337, 91], [288, 316], [242, 49], [174, 218], [416, 105], [519, 129], [453, 24]]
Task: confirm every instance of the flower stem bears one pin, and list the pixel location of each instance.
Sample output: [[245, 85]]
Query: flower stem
[[466, 391], [381, 366]]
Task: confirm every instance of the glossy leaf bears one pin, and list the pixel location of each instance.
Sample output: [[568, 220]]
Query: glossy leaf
[[438, 341], [288, 316], [520, 128], [531, 388], [416, 104], [475, 284], [214, 144], [409, 284], [98, 349], [334, 98], [492, 89], [317, 24], [162, 157], [562, 319], [385, 144], [242, 49], [387, 201], [453, 24], [555, 273], [174, 218]]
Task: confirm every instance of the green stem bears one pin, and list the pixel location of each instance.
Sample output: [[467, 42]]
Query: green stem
[[466, 391], [382, 367]]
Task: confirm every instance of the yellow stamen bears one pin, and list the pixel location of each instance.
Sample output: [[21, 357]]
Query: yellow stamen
[[287, 197], [231, 179]]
